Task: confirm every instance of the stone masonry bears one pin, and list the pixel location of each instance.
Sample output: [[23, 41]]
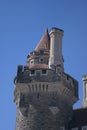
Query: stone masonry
[[44, 93]]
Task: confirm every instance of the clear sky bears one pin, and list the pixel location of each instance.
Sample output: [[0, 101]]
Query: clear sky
[[22, 24]]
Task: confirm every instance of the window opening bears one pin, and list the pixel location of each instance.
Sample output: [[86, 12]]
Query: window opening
[[41, 60], [32, 71], [43, 71]]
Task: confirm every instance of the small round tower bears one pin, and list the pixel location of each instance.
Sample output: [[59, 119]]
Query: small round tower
[[84, 78], [56, 58]]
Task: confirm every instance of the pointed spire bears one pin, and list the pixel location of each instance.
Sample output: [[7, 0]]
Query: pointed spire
[[44, 42], [46, 31]]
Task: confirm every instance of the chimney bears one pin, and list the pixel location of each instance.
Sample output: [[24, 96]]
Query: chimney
[[56, 58], [84, 78]]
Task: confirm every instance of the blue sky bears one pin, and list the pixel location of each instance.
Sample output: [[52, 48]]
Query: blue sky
[[22, 24]]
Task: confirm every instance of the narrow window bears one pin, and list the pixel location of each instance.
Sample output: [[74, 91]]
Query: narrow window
[[41, 60], [32, 71], [43, 71]]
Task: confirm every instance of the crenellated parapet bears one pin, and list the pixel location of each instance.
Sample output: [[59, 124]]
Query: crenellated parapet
[[26, 75]]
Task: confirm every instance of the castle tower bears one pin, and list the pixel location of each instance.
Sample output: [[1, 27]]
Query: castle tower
[[85, 90], [56, 58], [44, 93]]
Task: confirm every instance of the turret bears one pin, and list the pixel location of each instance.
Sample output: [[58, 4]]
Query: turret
[[85, 90], [56, 58]]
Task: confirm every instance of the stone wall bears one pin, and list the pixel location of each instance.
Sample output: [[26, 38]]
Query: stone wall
[[43, 111]]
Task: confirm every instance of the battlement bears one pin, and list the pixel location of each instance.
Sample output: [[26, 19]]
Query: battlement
[[26, 75], [38, 77]]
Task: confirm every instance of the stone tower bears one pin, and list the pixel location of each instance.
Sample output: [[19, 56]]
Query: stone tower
[[85, 90], [44, 93]]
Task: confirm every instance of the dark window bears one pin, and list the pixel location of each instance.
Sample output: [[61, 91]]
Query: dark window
[[32, 71], [43, 71], [41, 60], [32, 62]]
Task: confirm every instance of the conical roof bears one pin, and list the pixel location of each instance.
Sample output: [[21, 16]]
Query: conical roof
[[44, 43]]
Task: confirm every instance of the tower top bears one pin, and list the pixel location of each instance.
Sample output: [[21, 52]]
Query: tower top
[[57, 31], [44, 43], [54, 28], [56, 58]]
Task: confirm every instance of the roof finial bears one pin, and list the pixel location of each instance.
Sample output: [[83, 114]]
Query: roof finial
[[46, 31]]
